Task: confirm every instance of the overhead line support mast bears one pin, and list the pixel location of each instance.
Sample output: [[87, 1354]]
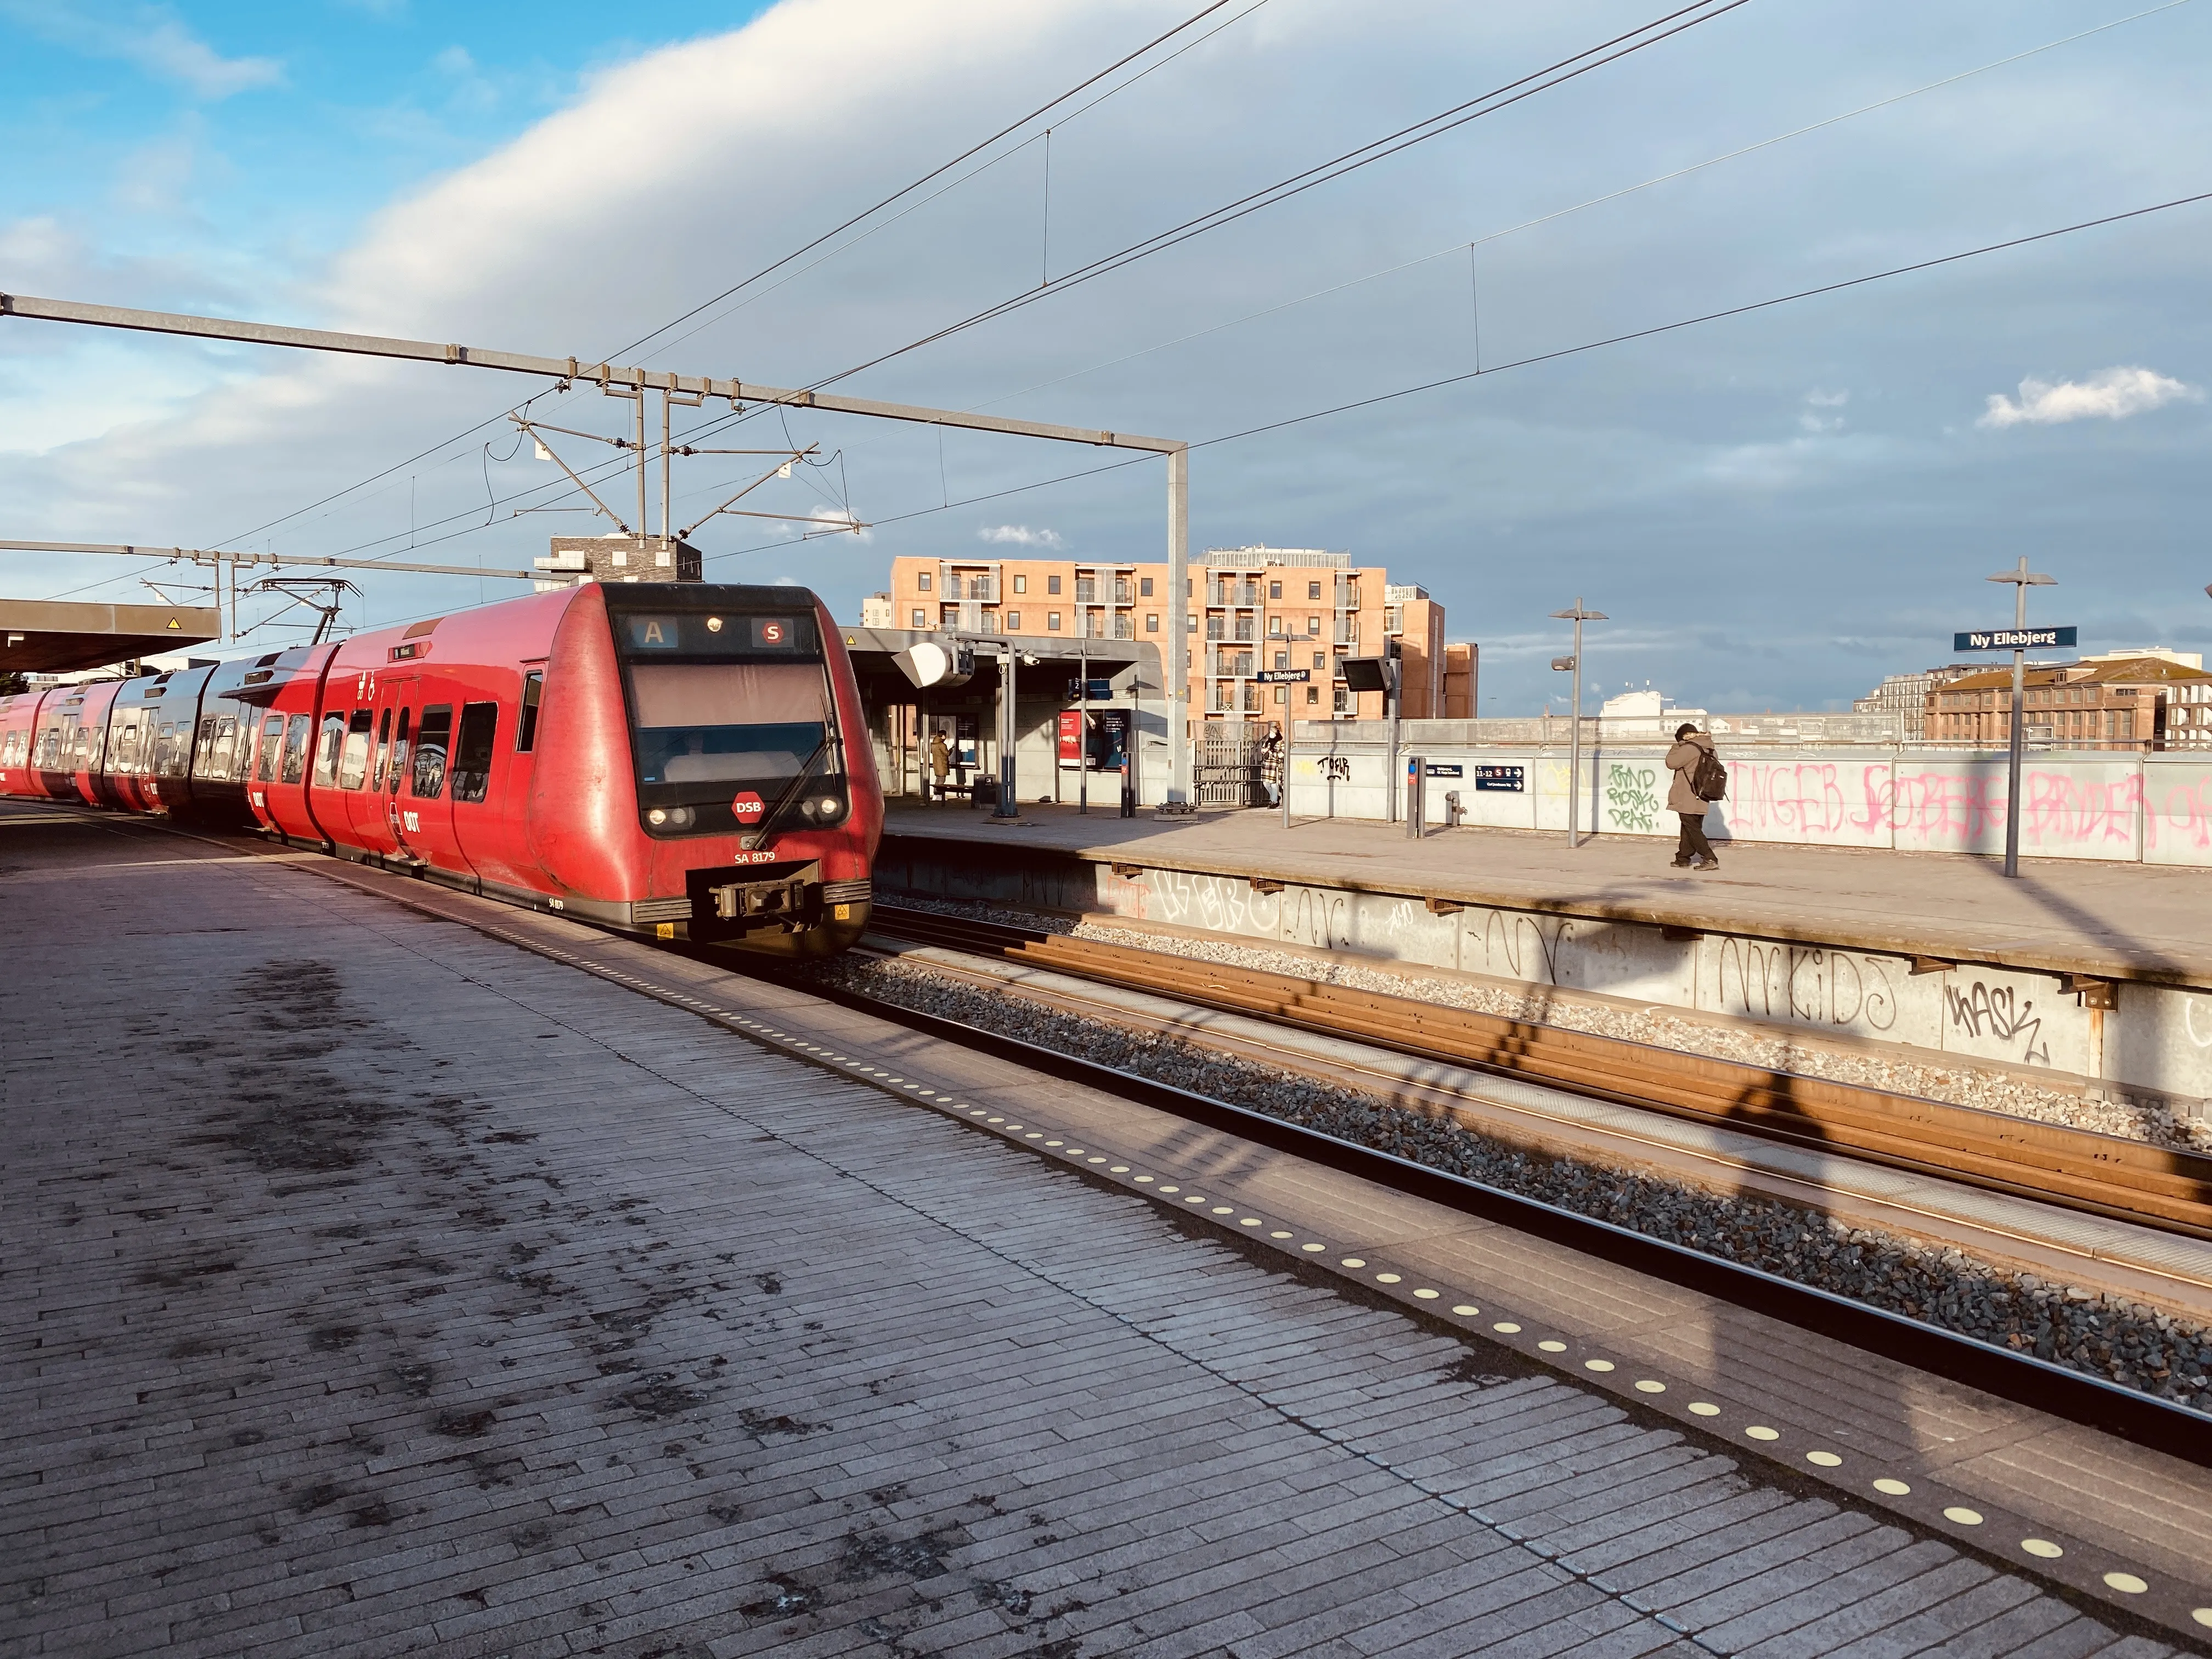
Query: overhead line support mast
[[620, 381]]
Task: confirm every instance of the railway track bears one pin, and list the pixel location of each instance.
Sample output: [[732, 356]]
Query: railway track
[[2078, 1168]]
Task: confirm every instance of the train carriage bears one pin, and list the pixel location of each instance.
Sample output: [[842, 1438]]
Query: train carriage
[[686, 760]]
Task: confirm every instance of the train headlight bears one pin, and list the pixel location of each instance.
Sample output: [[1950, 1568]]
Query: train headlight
[[829, 805], [679, 817], [656, 816]]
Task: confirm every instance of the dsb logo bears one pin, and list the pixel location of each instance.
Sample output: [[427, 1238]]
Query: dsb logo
[[749, 807]]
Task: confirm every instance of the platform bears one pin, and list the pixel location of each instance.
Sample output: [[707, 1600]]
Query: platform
[[2129, 921], [2101, 973], [391, 1271]]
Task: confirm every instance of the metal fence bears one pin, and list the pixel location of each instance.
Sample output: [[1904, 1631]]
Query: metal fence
[[1229, 770]]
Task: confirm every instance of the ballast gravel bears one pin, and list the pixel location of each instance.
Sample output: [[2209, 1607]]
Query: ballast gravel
[[1961, 1086], [2102, 1334]]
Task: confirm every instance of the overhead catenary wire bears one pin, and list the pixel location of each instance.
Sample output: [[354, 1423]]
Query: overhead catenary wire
[[1080, 86], [1513, 92]]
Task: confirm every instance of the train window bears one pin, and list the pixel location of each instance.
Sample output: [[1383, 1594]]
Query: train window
[[399, 750], [353, 759], [525, 729], [272, 735], [226, 741], [383, 750], [756, 723], [295, 747], [472, 751], [326, 749], [432, 738]]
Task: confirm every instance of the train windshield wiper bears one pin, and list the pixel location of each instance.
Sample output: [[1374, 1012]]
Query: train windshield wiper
[[791, 790]]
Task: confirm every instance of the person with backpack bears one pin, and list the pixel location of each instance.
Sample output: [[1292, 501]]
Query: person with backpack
[[1700, 779]]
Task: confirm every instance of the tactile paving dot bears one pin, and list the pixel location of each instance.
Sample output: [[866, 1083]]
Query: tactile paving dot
[[1597, 1364], [1550, 1346], [1826, 1460], [2042, 1547], [1705, 1408], [1761, 1431], [1508, 1327], [1964, 1516], [1386, 1278], [1646, 1385], [2126, 1582], [1466, 1309], [1893, 1488]]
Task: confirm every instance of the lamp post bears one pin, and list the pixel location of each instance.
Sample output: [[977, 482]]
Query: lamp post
[[2022, 578], [1573, 665]]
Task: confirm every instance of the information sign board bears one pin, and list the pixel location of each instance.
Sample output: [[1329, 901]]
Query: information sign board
[[1509, 780], [1445, 769], [1283, 676], [1100, 690], [2014, 639]]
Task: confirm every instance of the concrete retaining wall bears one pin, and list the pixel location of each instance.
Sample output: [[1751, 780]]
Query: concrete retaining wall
[[2157, 1042], [2156, 808]]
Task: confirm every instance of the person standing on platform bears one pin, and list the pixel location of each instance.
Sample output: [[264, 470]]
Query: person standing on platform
[[941, 760], [1271, 766], [1700, 781]]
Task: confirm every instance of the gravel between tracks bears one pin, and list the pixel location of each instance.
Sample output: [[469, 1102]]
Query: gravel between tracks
[[1961, 1086], [2104, 1335]]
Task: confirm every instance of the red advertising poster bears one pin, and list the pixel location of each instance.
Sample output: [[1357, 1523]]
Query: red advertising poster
[[1071, 737]]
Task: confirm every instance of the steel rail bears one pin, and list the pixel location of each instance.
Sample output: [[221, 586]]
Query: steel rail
[[2163, 1425], [2074, 1169]]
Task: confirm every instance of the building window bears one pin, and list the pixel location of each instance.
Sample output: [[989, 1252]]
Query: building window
[[1052, 585], [1275, 590], [990, 622], [1313, 627], [1021, 584], [949, 616], [922, 581], [1321, 659], [1274, 627], [1343, 703], [1152, 622], [1313, 590], [1052, 618], [1186, 586], [921, 618], [1014, 620], [1313, 694], [1282, 693], [1190, 621], [1143, 587]]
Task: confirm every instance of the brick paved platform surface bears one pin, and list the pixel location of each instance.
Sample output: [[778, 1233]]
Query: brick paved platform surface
[[372, 1286], [2126, 920]]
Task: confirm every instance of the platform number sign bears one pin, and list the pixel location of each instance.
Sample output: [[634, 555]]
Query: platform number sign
[[749, 807]]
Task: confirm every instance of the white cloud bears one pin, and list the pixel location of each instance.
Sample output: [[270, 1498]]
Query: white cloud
[[148, 36], [2110, 394], [1020, 535], [1821, 399]]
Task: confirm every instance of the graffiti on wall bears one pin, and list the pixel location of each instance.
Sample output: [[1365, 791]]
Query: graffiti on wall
[[2000, 1014], [1807, 984], [1632, 797], [2177, 816], [1826, 803]]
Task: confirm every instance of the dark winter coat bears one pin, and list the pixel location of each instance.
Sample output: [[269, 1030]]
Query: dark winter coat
[[1682, 761]]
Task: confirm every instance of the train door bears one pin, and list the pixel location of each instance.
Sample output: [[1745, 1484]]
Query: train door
[[424, 802], [494, 825], [396, 700]]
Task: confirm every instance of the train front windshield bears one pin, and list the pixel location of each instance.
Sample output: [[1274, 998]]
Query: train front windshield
[[732, 725]]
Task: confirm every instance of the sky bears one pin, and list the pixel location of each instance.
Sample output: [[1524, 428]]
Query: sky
[[1774, 508]]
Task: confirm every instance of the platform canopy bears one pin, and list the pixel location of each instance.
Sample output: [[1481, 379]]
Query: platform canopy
[[44, 637]]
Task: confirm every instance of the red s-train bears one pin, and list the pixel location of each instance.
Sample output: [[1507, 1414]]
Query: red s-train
[[684, 760]]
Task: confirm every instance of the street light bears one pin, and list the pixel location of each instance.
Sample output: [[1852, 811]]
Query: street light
[[1573, 664], [2022, 578]]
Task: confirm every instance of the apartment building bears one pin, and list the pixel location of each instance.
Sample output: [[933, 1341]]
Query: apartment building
[[1250, 609], [2114, 701]]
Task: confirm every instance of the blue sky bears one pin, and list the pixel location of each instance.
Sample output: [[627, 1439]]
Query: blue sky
[[1775, 510]]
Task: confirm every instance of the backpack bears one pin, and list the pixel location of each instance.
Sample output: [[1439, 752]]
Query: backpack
[[1709, 777]]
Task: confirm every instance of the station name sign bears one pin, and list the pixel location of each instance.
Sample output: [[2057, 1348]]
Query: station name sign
[[1283, 676], [2012, 639]]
